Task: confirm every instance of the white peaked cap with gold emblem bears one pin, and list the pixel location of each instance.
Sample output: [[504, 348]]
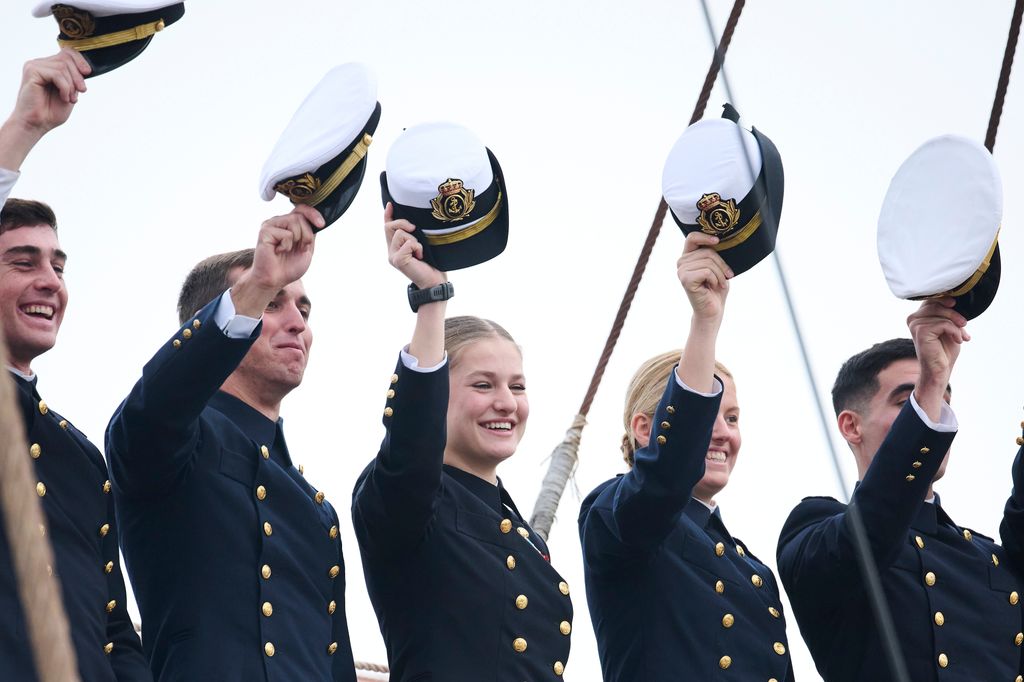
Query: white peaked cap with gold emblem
[[320, 157], [425, 152], [709, 156], [109, 33], [102, 8], [442, 179], [728, 182], [939, 224]]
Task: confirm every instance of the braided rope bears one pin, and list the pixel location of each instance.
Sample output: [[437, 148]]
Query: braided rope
[[31, 554], [1004, 76], [565, 456], [563, 463], [659, 216]]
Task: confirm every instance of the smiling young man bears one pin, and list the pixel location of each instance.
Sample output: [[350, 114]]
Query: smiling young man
[[953, 594], [71, 474], [235, 559]]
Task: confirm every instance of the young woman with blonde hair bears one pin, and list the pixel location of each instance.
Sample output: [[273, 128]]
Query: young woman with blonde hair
[[462, 586], [672, 594]]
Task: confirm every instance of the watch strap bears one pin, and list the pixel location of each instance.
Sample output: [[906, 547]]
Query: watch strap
[[439, 292]]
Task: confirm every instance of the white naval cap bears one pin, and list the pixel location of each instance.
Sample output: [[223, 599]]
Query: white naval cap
[[109, 33], [101, 8], [709, 155], [726, 181], [320, 158], [441, 178], [939, 224]]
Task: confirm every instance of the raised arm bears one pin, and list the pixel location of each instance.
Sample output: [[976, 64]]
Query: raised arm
[[153, 435], [406, 474], [49, 91], [817, 539], [674, 443]]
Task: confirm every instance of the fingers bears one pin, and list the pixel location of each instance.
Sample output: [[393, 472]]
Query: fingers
[[936, 319], [402, 247], [391, 226], [80, 62], [73, 69], [64, 71], [703, 265], [290, 232], [311, 215], [935, 310], [697, 239]]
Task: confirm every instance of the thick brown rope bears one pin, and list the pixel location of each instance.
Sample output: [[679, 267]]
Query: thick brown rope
[[31, 553], [659, 216], [566, 454], [371, 667], [1004, 76]]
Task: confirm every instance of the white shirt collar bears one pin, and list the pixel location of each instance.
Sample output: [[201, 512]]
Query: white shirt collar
[[27, 377], [711, 507]]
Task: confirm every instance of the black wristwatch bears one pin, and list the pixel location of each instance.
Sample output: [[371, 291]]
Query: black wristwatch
[[441, 292]]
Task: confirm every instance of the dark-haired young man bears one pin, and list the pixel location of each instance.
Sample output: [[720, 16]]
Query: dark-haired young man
[[71, 476], [954, 595], [235, 559]]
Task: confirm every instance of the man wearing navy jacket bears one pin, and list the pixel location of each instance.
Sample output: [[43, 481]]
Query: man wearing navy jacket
[[235, 559], [71, 476], [954, 594]]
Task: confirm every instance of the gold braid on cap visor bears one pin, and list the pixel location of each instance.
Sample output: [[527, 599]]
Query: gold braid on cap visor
[[740, 236], [971, 281], [129, 35], [324, 190], [467, 231]]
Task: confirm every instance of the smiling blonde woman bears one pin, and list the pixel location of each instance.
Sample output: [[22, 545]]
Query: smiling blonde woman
[[462, 586], [672, 594]]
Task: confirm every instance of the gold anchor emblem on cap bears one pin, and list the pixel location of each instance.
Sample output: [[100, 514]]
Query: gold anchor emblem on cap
[[717, 216], [453, 202]]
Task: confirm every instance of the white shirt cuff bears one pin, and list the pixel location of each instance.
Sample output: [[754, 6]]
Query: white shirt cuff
[[718, 388], [7, 180], [412, 363], [233, 325], [947, 420]]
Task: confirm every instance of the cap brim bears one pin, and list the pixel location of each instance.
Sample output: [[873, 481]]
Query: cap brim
[[107, 59], [980, 297]]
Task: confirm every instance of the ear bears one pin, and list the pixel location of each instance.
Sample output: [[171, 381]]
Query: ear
[[849, 426], [640, 425]]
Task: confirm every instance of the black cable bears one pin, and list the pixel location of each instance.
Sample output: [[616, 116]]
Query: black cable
[[861, 545]]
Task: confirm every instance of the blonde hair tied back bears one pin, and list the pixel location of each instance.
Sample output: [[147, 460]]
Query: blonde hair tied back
[[464, 330], [645, 391]]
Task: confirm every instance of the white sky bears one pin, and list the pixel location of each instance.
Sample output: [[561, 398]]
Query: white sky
[[581, 101]]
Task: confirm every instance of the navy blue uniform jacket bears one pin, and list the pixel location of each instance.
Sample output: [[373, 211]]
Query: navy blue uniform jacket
[[954, 594], [234, 557], [72, 481], [462, 587], [672, 595]]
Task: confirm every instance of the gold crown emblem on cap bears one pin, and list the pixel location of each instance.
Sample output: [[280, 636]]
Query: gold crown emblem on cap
[[717, 216], [73, 23], [453, 202]]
